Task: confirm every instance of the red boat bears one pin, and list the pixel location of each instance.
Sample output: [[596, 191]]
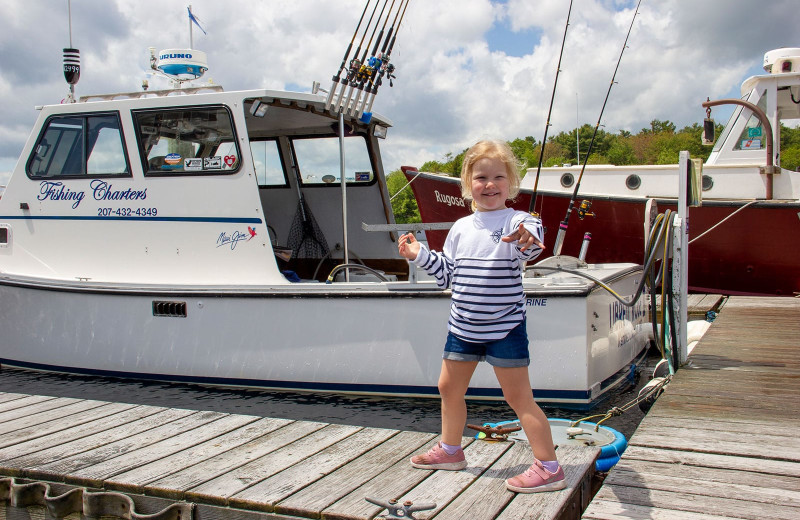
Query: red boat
[[744, 238]]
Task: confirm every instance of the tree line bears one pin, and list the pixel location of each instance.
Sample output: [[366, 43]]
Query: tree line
[[659, 144]]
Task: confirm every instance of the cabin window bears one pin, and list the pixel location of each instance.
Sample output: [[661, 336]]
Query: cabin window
[[752, 137], [78, 146], [267, 163], [187, 141], [319, 164]]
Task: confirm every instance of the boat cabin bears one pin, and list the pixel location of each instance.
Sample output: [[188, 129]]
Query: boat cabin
[[196, 186]]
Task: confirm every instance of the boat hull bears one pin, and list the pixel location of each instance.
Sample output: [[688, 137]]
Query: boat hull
[[353, 340], [755, 252]]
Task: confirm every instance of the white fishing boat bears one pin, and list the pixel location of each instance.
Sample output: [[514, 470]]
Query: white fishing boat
[[198, 235]]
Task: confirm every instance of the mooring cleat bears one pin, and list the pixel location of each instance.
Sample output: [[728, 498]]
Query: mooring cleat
[[494, 433], [404, 510]]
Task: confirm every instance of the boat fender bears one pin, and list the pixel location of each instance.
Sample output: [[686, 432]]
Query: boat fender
[[661, 369], [611, 453], [647, 403]]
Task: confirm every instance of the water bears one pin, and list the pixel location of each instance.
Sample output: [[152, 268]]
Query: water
[[382, 412]]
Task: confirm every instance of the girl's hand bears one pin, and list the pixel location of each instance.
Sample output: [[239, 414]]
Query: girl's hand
[[524, 238], [408, 247]]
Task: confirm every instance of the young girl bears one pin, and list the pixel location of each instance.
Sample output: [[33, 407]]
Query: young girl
[[482, 262]]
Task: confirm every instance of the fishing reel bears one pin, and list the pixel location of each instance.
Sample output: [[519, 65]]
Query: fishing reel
[[583, 210], [390, 73], [354, 70]]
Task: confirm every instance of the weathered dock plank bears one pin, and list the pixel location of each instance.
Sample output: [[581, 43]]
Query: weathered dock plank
[[263, 495], [219, 490], [334, 486], [17, 408], [93, 469], [686, 500], [396, 481], [479, 501], [34, 448], [135, 479], [41, 424], [577, 463], [601, 509], [175, 485], [265, 469], [74, 455], [442, 487], [690, 461], [10, 396], [721, 442]]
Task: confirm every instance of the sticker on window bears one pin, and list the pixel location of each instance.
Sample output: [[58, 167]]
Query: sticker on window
[[193, 165], [751, 144], [212, 163], [172, 159], [362, 176]]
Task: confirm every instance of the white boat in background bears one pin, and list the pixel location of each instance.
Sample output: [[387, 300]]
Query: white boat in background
[[139, 234]]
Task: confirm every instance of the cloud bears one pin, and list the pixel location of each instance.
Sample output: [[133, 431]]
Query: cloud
[[455, 84]]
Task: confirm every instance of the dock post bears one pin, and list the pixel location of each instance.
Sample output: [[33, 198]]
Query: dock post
[[680, 259]]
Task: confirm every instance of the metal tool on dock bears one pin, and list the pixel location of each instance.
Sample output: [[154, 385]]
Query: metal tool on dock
[[494, 433], [397, 510]]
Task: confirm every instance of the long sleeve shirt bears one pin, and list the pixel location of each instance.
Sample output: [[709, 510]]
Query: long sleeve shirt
[[484, 273]]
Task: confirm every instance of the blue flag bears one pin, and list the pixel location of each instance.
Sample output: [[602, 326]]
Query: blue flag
[[193, 19]]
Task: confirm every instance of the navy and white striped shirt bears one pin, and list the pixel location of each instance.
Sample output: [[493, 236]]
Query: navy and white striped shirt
[[484, 273]]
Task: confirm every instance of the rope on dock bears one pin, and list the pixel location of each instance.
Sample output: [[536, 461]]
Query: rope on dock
[[81, 500], [649, 392]]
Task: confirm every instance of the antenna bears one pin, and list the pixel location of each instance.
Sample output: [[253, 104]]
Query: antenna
[[72, 60]]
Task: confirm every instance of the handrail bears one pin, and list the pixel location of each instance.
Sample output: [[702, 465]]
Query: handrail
[[762, 117], [151, 93]]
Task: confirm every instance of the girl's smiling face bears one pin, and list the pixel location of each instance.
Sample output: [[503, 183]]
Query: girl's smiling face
[[490, 184]]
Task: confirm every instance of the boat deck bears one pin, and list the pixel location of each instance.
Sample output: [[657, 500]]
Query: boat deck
[[218, 465], [722, 441]]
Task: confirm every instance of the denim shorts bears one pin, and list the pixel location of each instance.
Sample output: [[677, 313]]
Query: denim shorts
[[509, 352]]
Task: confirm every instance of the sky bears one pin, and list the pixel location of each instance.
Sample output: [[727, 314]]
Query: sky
[[466, 69]]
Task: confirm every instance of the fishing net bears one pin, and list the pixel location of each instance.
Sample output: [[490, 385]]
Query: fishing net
[[306, 239]]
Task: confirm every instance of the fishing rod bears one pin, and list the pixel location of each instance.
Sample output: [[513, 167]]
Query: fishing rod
[[356, 64], [385, 67], [534, 196], [562, 227], [366, 70], [350, 75], [337, 77], [375, 63]]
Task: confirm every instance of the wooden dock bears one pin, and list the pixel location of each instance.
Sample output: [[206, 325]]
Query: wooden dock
[[199, 464], [723, 441]]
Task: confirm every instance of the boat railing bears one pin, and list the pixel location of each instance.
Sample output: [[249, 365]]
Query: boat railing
[[151, 93]]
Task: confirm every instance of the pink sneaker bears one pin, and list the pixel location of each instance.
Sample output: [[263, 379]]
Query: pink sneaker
[[537, 479], [437, 458]]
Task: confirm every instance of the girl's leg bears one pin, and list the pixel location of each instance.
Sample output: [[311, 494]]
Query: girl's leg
[[453, 383], [517, 392]]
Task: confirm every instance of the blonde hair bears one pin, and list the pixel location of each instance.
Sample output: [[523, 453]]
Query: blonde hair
[[490, 149]]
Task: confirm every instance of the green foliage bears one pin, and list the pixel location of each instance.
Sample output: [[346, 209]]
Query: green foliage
[[451, 166], [790, 148], [659, 144], [404, 205], [526, 151]]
